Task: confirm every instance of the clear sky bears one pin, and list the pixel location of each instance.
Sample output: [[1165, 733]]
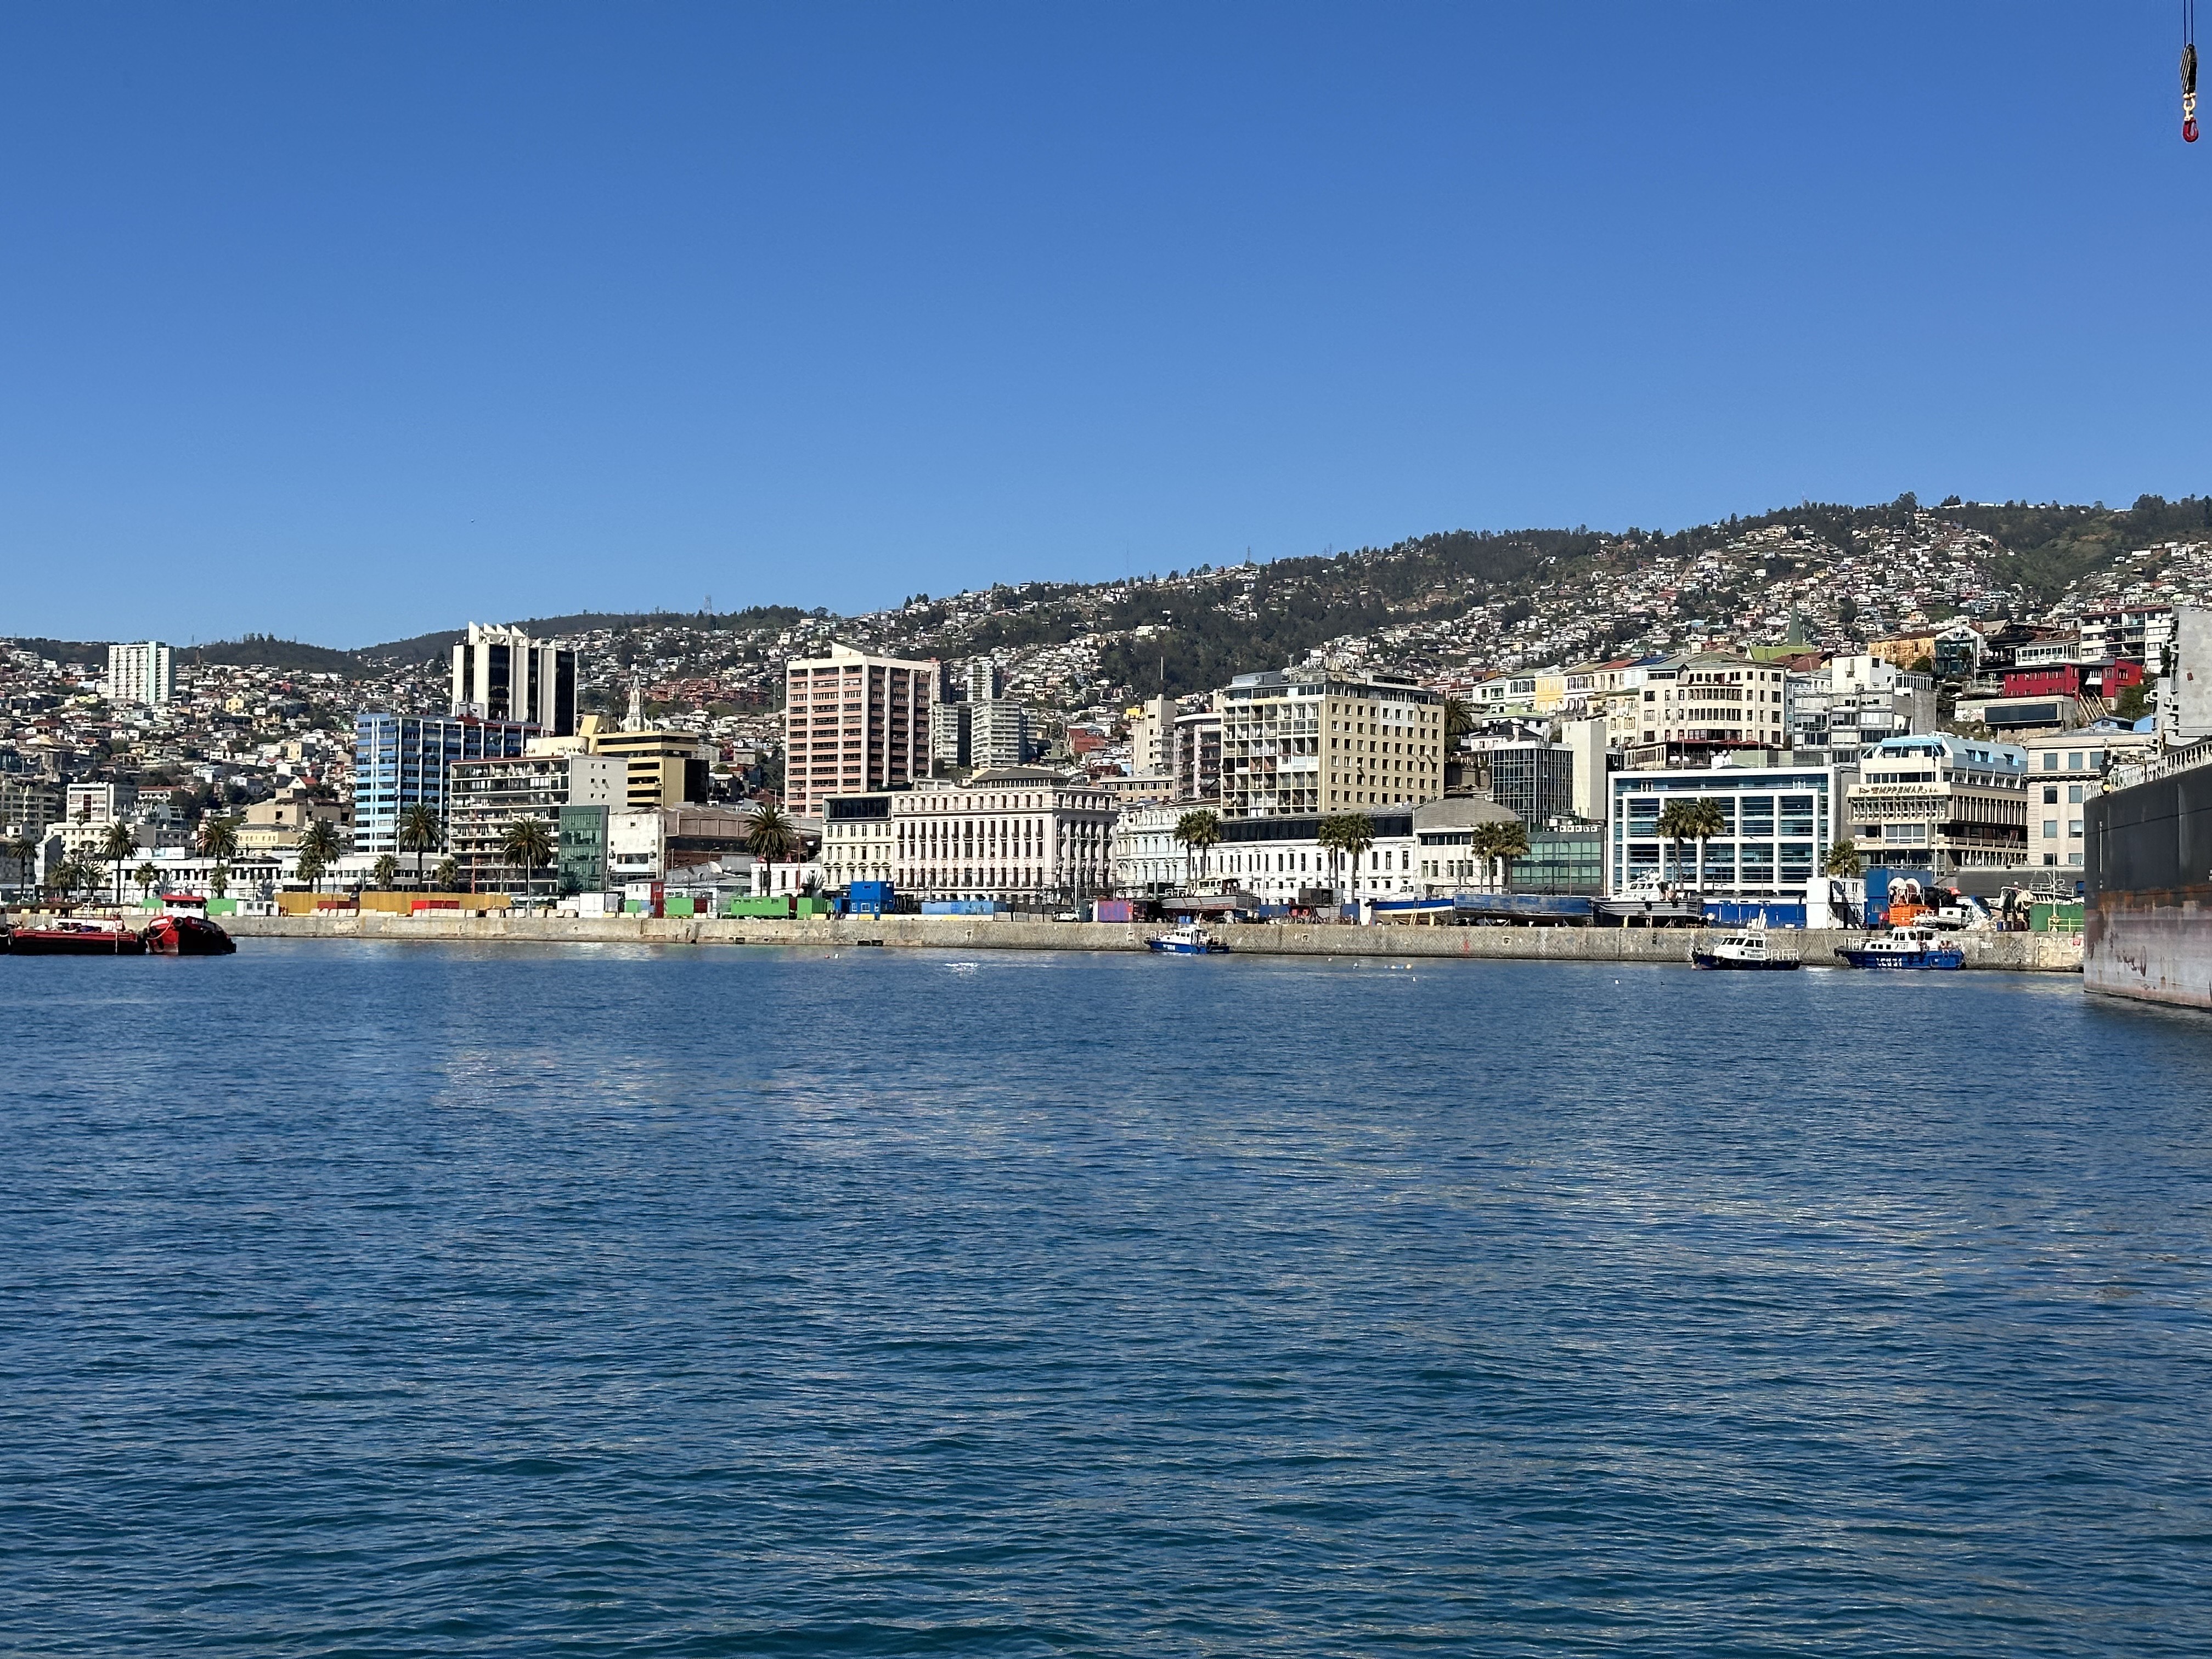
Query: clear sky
[[348, 322]]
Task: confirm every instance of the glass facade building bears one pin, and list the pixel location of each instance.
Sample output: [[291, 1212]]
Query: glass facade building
[[1778, 825], [401, 761]]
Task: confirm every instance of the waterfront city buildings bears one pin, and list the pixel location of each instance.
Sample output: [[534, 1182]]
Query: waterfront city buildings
[[1777, 823], [857, 843], [1314, 740], [853, 722], [403, 761], [502, 674], [1015, 833], [1943, 803], [488, 795]]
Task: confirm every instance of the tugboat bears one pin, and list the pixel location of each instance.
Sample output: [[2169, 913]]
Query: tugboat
[[1188, 940], [191, 936], [1745, 949], [75, 938], [1911, 947]]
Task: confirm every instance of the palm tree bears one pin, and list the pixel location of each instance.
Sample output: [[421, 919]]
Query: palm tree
[[79, 872], [1677, 823], [772, 835], [1198, 830], [147, 877], [386, 872], [24, 851], [117, 845], [1497, 842], [218, 839], [1843, 860], [1706, 821], [446, 875], [420, 832], [529, 844], [318, 845], [1459, 721], [1347, 836], [311, 871]]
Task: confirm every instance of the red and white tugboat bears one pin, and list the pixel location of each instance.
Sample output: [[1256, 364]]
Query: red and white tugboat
[[173, 935]]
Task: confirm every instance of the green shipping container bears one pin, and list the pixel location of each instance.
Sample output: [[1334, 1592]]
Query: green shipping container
[[676, 907], [759, 907]]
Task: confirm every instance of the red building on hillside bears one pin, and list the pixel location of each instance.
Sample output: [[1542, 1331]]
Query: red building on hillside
[[2074, 679]]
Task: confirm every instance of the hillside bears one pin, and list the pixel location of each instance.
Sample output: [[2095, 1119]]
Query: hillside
[[1453, 605]]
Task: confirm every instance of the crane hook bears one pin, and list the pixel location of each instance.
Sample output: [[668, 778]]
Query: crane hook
[[2189, 71]]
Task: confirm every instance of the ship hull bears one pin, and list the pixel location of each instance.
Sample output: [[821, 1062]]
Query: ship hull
[[2155, 946], [2147, 926]]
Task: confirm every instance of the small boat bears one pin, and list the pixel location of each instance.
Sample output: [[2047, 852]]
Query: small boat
[[1656, 904], [1746, 948], [1188, 940], [1912, 946], [75, 938], [187, 936]]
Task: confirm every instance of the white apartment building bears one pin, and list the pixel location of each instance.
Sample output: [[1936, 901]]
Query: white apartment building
[[1009, 833], [857, 844], [997, 734], [100, 803], [1280, 860], [1147, 857], [853, 723], [1197, 758], [140, 673], [486, 798], [1716, 701], [1856, 702], [1314, 740]]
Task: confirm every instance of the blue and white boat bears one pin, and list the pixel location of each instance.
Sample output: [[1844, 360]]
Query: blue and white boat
[[1188, 940], [1915, 946]]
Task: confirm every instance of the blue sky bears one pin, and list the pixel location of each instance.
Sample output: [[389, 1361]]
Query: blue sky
[[349, 322]]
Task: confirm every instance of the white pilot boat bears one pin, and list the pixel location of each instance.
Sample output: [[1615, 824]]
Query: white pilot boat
[[1745, 948], [1188, 940]]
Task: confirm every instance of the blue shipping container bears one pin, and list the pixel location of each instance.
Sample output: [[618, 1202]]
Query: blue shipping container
[[1741, 913]]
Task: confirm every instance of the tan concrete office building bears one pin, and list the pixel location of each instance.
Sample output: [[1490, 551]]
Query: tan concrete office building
[[1310, 740]]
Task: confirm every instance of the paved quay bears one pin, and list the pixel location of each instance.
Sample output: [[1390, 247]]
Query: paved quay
[[2014, 953]]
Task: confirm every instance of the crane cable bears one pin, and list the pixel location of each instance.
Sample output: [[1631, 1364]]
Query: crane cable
[[2189, 71]]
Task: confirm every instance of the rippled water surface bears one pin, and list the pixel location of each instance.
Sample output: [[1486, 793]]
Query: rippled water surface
[[421, 1300]]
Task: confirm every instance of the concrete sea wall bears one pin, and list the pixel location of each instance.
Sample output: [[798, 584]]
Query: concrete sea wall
[[2017, 952]]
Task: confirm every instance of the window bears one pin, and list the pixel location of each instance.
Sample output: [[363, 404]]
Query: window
[[2050, 794], [2051, 760], [2074, 794], [2050, 829], [2073, 828]]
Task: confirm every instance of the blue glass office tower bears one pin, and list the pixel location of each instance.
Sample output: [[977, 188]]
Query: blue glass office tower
[[401, 761]]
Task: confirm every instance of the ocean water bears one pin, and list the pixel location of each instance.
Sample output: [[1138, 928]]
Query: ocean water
[[397, 1300]]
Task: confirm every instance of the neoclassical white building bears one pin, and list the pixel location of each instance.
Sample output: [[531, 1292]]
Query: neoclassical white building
[[1012, 832]]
